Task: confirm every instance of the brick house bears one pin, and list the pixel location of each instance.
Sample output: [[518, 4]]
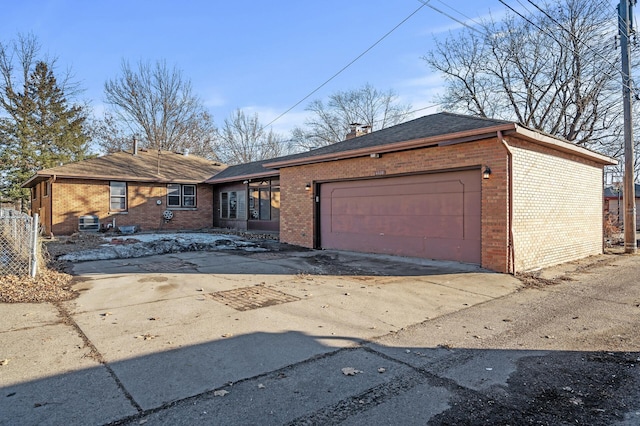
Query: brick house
[[449, 187], [125, 189]]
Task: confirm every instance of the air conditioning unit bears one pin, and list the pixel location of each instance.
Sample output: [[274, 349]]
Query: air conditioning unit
[[89, 223]]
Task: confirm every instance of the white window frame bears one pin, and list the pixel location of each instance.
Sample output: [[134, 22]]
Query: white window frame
[[179, 191], [122, 197]]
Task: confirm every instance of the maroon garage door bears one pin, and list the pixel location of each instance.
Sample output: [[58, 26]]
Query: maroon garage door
[[435, 216]]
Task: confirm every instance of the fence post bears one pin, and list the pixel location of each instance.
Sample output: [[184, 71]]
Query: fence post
[[34, 245]]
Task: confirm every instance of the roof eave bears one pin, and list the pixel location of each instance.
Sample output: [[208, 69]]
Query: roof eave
[[39, 177], [250, 176], [560, 145], [449, 138]]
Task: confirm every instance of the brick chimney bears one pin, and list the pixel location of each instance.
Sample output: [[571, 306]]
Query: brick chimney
[[357, 129]]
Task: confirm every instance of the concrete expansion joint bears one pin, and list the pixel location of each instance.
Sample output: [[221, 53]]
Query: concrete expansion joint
[[94, 353]]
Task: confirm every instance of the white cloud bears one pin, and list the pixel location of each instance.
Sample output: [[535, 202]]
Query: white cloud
[[213, 100]]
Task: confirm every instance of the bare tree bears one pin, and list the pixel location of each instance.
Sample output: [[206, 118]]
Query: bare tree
[[555, 71], [330, 122], [243, 139], [157, 103]]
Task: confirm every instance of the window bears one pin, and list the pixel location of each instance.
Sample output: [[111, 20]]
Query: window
[[233, 205], [264, 200], [34, 193], [260, 203], [118, 196], [181, 195], [45, 189]]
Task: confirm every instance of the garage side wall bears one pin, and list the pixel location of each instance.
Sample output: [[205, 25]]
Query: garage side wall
[[558, 201], [297, 214]]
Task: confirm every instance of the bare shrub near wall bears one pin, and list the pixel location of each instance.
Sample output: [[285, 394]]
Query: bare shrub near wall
[[611, 229], [16, 239]]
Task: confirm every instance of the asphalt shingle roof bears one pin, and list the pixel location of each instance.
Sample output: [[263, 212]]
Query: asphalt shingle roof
[[420, 128], [610, 192], [147, 166], [247, 169]]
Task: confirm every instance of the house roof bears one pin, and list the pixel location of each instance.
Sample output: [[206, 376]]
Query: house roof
[[247, 171], [611, 192], [437, 129], [145, 166]]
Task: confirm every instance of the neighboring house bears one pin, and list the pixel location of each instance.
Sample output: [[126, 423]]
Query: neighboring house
[[448, 187], [140, 188], [247, 197], [614, 203]]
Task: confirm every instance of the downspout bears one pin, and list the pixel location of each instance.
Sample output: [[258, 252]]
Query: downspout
[[511, 249]]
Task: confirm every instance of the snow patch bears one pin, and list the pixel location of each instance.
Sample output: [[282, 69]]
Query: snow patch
[[141, 245]]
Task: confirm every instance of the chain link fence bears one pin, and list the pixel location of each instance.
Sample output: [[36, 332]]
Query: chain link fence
[[18, 243]]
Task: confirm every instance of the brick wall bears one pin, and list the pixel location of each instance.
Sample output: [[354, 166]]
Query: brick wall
[[558, 204], [297, 215], [73, 198]]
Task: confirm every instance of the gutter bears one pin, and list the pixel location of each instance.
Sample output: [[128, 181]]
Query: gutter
[[511, 261], [42, 177], [446, 139], [214, 181]]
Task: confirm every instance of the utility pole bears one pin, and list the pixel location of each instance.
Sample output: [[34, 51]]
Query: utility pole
[[629, 193]]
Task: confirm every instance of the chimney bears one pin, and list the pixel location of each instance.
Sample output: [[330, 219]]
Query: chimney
[[186, 152], [135, 146], [354, 128], [357, 129]]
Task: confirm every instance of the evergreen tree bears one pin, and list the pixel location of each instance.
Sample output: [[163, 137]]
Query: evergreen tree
[[40, 130]]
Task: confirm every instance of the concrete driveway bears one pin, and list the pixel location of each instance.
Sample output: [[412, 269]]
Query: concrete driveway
[[147, 332]]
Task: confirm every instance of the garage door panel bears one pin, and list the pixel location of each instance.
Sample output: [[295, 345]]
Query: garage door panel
[[403, 188], [407, 226], [394, 205], [448, 249], [472, 203], [435, 216], [472, 231]]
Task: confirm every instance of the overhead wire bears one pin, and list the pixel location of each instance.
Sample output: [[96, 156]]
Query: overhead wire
[[601, 10], [349, 64]]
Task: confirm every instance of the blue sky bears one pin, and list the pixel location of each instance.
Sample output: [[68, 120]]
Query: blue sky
[[261, 56]]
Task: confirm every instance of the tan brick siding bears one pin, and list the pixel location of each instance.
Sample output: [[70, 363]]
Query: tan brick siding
[[297, 215], [558, 204], [74, 198]]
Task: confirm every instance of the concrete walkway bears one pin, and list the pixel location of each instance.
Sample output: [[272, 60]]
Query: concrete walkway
[[146, 333]]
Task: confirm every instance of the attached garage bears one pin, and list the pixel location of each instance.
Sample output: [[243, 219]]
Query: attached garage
[[434, 216], [448, 187]]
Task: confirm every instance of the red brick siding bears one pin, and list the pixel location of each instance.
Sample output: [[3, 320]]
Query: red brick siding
[[297, 221], [557, 204], [74, 198]]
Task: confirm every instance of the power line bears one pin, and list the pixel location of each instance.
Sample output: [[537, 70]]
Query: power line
[[348, 65], [426, 3]]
